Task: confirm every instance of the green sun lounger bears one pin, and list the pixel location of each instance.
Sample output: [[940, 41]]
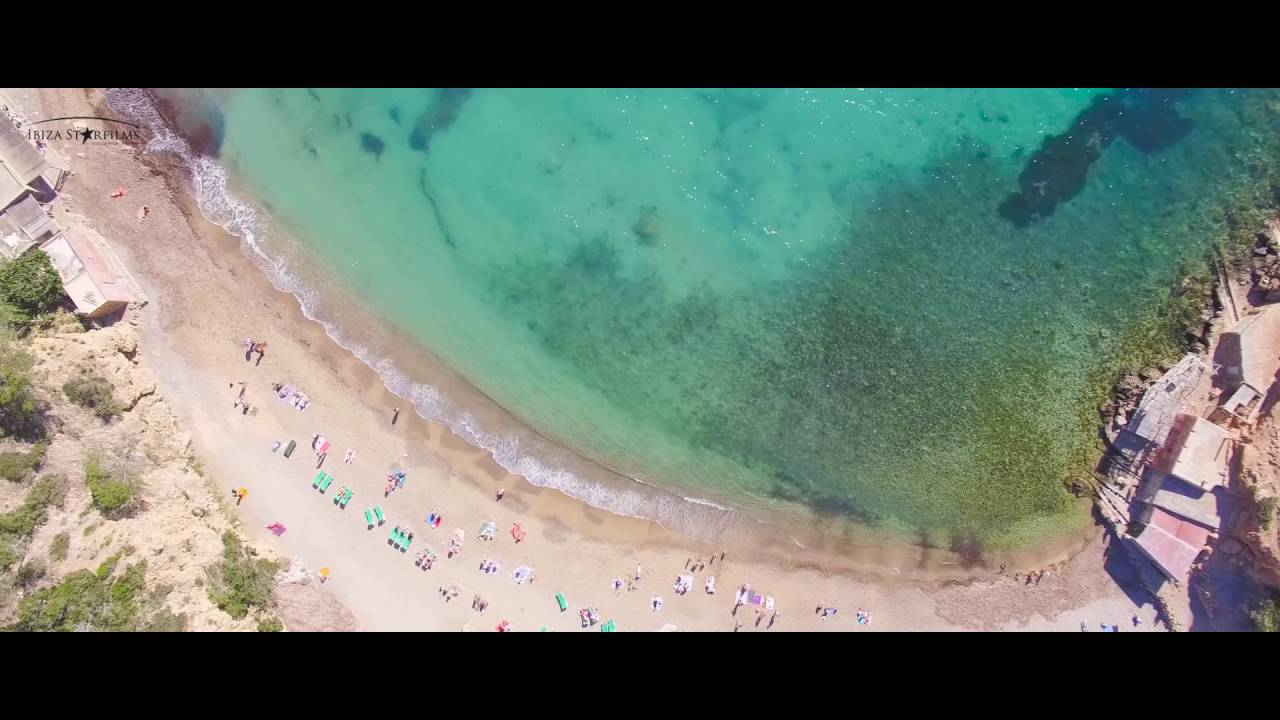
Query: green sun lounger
[[394, 536], [608, 626], [368, 518], [343, 497], [564, 604], [324, 484], [406, 541], [377, 510], [346, 498], [319, 478]]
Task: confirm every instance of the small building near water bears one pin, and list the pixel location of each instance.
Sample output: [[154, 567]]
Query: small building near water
[[1250, 361], [23, 169], [88, 280], [1177, 503], [1196, 452]]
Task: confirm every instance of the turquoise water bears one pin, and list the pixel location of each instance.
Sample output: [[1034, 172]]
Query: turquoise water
[[820, 297]]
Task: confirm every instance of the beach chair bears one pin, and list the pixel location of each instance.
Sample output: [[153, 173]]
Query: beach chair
[[324, 485], [368, 518], [564, 604], [407, 541], [377, 510], [608, 626], [394, 536], [346, 498], [342, 491], [319, 477]]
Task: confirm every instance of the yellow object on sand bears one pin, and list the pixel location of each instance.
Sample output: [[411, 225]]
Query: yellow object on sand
[[324, 572], [244, 493]]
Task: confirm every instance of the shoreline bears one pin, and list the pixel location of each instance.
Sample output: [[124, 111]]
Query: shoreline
[[402, 364], [192, 333]]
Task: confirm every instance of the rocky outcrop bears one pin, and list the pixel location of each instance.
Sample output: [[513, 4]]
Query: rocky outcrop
[[1265, 262], [1255, 538]]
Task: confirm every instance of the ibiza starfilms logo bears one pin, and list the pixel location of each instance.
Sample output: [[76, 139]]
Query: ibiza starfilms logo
[[80, 128]]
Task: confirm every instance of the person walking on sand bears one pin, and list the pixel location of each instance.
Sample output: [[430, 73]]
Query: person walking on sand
[[395, 416], [772, 620], [262, 351], [686, 563], [500, 493]]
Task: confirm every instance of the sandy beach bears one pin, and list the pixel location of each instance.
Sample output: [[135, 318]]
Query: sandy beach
[[204, 299]]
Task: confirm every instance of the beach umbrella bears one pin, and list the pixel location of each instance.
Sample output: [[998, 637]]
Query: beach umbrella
[[517, 532], [323, 447], [277, 529], [324, 572]]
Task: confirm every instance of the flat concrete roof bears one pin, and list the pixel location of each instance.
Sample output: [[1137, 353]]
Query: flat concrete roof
[[1197, 451]]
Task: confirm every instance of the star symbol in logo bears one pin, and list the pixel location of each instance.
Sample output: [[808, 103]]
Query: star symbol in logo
[[84, 136]]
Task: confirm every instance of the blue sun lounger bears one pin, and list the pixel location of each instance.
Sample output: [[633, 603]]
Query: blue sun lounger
[[324, 484], [368, 518], [377, 510]]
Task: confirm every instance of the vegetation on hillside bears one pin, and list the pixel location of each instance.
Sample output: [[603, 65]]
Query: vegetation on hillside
[[115, 493], [1267, 617], [20, 408], [93, 392], [29, 286], [18, 524], [19, 466], [242, 581], [97, 601]]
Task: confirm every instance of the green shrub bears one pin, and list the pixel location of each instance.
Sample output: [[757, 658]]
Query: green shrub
[[18, 466], [270, 623], [58, 548], [8, 556], [164, 620], [85, 600], [29, 574], [1266, 512], [20, 411], [241, 581], [113, 494], [50, 490], [93, 392], [1267, 617], [30, 286]]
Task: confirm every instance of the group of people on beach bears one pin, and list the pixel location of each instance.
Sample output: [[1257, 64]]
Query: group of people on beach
[[251, 346], [292, 395], [698, 564]]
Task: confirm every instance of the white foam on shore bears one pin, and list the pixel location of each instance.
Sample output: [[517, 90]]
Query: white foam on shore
[[693, 516]]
